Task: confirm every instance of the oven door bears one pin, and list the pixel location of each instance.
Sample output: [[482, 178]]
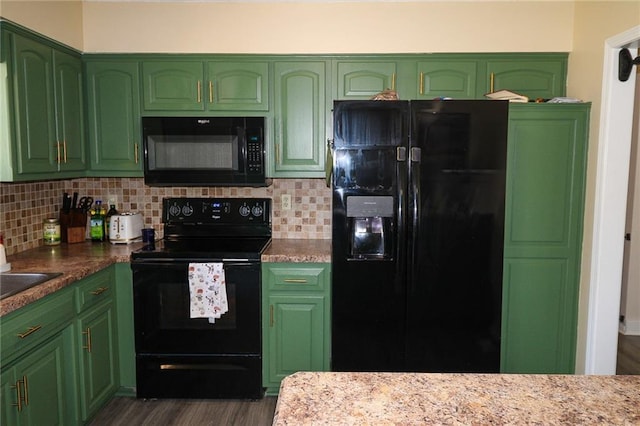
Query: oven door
[[162, 311]]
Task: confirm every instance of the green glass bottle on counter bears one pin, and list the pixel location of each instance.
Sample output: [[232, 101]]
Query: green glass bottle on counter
[[97, 222]]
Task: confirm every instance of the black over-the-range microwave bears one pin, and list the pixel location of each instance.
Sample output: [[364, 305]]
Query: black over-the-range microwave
[[204, 151]]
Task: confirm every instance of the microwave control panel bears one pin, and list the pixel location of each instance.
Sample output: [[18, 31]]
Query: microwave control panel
[[255, 150]]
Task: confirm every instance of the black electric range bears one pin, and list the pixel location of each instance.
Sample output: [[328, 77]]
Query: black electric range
[[179, 355]]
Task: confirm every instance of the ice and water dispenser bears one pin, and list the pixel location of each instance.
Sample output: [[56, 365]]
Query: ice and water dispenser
[[370, 220]]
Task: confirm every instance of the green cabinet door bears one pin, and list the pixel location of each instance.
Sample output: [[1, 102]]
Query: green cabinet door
[[447, 78], [296, 335], [96, 338], [300, 118], [113, 105], [296, 320], [237, 86], [34, 112], [546, 169], [69, 111], [363, 79], [38, 389], [98, 357], [173, 85], [536, 78]]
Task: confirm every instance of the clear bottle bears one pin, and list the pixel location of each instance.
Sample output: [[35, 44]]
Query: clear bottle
[[97, 222]]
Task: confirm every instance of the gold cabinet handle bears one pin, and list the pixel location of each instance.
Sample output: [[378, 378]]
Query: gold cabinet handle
[[64, 149], [135, 152], [421, 83], [199, 91], [18, 402], [210, 91], [295, 280], [25, 394], [492, 77], [99, 290], [57, 145], [87, 333], [270, 315], [29, 331], [393, 81]]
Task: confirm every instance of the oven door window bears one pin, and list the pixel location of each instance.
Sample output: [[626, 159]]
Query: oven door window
[[194, 152], [162, 311]]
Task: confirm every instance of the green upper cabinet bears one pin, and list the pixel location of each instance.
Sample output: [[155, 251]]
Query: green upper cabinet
[[546, 168], [193, 85], [70, 130], [35, 122], [447, 78], [363, 79], [113, 110], [300, 117], [543, 76], [45, 110], [233, 86], [173, 85]]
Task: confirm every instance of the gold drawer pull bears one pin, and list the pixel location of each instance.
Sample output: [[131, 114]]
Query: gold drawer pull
[[29, 331], [295, 280], [99, 290], [421, 83]]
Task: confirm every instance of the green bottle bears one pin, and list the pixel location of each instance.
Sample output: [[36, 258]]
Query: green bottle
[[97, 222]]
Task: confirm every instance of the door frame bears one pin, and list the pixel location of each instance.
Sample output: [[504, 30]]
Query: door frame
[[612, 180]]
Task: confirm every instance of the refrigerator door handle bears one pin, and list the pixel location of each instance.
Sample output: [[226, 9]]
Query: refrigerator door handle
[[415, 155], [401, 153]]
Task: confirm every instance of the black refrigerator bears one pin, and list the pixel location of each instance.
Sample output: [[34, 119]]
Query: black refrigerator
[[418, 224]]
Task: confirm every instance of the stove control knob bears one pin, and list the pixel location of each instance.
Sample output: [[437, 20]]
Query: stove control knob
[[187, 210], [244, 210], [257, 211], [174, 210]]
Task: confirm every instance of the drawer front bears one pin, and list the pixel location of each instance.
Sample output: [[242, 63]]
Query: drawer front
[[32, 324], [294, 277], [94, 289]]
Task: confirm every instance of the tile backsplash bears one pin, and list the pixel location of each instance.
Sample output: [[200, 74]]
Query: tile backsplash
[[23, 206]]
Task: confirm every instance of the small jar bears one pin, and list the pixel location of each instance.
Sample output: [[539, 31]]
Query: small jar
[[51, 231]]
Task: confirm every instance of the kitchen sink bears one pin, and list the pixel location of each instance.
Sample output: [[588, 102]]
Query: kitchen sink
[[14, 282]]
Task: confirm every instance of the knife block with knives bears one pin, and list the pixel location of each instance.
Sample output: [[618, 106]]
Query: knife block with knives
[[72, 225], [73, 220]]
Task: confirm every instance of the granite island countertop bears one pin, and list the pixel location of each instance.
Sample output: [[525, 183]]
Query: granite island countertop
[[76, 261], [321, 398]]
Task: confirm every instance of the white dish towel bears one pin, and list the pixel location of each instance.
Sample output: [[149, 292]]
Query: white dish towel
[[208, 290]]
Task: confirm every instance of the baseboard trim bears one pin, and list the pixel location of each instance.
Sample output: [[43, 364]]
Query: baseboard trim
[[630, 328]]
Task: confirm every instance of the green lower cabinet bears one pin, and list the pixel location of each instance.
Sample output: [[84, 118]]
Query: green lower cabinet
[[38, 389], [98, 358], [296, 322], [546, 168], [96, 337]]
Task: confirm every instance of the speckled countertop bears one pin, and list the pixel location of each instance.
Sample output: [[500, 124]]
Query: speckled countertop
[[457, 399], [283, 250], [76, 261]]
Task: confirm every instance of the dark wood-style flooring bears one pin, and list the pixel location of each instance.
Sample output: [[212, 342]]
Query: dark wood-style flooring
[[628, 354], [128, 411]]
